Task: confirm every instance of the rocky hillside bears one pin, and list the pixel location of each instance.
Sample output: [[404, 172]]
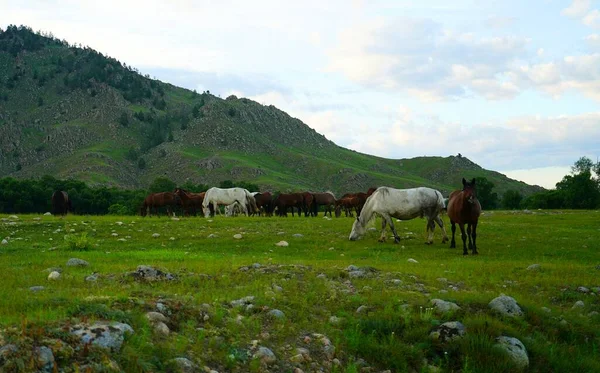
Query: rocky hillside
[[69, 111]]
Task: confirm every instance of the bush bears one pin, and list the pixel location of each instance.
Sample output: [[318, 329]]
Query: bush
[[117, 209], [79, 242]]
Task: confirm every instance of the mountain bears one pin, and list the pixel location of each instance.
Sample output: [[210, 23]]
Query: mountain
[[71, 112]]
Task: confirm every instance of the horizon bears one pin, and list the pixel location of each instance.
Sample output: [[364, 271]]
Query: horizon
[[369, 82]]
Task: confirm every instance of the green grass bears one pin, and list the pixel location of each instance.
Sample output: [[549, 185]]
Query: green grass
[[393, 334]]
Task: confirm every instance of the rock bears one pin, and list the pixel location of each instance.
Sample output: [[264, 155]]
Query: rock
[[54, 275], [448, 331], [256, 265], [282, 244], [265, 355], [534, 267], [212, 235], [242, 301], [44, 359], [115, 235], [47, 214], [329, 351], [298, 235], [155, 235], [321, 275], [36, 288], [592, 314], [299, 358], [237, 236], [4, 242], [443, 306], [7, 352], [362, 309], [75, 262], [161, 328], [184, 365], [277, 288], [156, 317], [276, 314], [583, 289], [579, 304], [13, 217], [411, 260], [103, 334], [506, 306], [149, 273], [546, 309], [395, 281], [335, 320], [515, 350], [357, 274], [92, 278]]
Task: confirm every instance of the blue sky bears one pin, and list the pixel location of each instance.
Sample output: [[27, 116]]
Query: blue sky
[[512, 85]]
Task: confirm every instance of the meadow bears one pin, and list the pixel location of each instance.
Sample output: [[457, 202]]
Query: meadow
[[219, 302]]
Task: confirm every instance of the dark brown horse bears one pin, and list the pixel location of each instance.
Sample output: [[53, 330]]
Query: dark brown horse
[[464, 208], [61, 204], [191, 202], [158, 200], [291, 200], [352, 201], [307, 204], [326, 199], [264, 203]]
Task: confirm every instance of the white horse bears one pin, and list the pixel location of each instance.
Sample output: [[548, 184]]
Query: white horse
[[217, 196], [404, 204]]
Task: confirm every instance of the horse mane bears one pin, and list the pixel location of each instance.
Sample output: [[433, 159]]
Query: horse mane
[[367, 213]]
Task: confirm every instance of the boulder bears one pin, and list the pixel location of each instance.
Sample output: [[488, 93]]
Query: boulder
[[506, 306], [448, 331], [443, 306], [515, 350], [103, 334]]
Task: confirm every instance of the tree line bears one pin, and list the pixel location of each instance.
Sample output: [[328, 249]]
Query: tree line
[[579, 190]]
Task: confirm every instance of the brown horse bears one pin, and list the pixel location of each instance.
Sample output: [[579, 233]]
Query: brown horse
[[464, 208], [326, 199], [307, 204], [264, 203], [61, 204], [291, 200], [191, 202], [157, 200]]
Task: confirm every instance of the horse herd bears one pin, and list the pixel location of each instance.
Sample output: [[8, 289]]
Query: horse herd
[[462, 207]]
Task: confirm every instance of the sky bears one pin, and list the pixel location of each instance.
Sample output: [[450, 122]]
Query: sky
[[512, 85]]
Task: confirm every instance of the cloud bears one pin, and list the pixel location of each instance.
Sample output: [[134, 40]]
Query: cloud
[[578, 8], [592, 19], [421, 57], [498, 22]]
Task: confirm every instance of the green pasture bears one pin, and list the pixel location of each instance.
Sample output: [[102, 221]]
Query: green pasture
[[392, 333]]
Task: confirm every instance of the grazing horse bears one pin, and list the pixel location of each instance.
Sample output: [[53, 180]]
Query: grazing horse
[[234, 209], [264, 203], [326, 199], [464, 208], [404, 204], [190, 201], [61, 204], [291, 200], [217, 196], [157, 200]]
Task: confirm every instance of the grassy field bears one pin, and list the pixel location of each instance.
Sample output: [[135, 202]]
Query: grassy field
[[309, 282]]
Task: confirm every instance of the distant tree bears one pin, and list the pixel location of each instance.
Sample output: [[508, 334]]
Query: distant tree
[[226, 184], [485, 194], [162, 153], [231, 112], [141, 163], [124, 119], [196, 111], [580, 191], [512, 199], [170, 137], [583, 164], [132, 154], [162, 184], [40, 101]]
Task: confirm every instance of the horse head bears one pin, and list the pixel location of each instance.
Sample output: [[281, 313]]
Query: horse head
[[469, 191]]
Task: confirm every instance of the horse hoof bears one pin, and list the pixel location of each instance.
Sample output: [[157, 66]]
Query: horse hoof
[[465, 253], [396, 240], [381, 240], [475, 252], [428, 243], [452, 246]]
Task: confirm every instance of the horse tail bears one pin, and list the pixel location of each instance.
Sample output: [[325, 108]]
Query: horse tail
[[441, 202], [251, 201]]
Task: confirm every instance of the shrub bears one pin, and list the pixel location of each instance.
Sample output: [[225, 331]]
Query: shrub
[[79, 242]]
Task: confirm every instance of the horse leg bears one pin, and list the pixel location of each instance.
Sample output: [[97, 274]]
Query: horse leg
[[382, 238], [469, 236], [474, 234], [464, 238], [430, 229], [440, 222], [391, 223], [453, 242]]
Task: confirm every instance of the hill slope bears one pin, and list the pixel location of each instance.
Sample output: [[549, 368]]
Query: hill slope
[[72, 112]]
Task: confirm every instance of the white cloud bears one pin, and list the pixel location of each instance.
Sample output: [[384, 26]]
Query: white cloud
[[578, 8], [592, 19]]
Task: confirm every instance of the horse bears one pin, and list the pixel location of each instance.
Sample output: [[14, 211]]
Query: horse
[[156, 200], [348, 202], [285, 200], [217, 196], [326, 199], [61, 204], [190, 201], [264, 202], [464, 208], [307, 204], [404, 204], [234, 209]]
